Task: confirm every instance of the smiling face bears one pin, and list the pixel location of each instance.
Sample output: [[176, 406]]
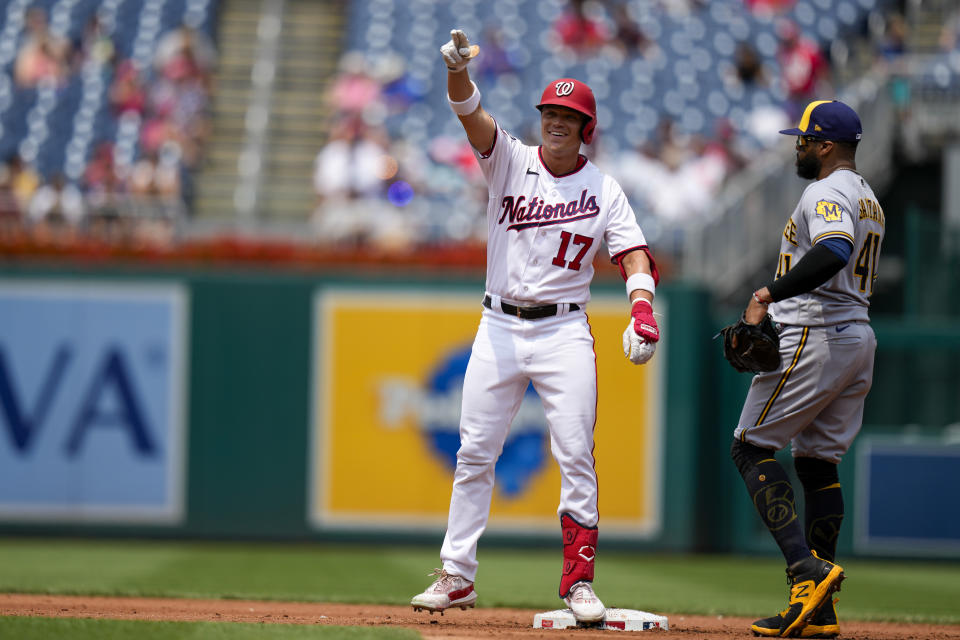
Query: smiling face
[[560, 129]]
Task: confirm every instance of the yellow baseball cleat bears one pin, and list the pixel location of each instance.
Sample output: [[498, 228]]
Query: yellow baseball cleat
[[812, 582], [823, 624]]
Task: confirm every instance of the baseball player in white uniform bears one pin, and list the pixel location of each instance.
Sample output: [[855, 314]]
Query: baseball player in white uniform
[[814, 400], [548, 212]]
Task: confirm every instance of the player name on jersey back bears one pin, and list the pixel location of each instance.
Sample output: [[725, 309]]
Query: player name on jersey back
[[843, 206]]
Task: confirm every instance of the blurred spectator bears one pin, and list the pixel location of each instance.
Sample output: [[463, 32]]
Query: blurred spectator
[[128, 92], [161, 129], [457, 152], [10, 216], [455, 176], [727, 142], [101, 168], [700, 177], [350, 169], [355, 93], [894, 41], [636, 168], [95, 45], [762, 125], [628, 37], [357, 172], [364, 190], [576, 30], [768, 7], [348, 166], [398, 88], [154, 186], [674, 176], [24, 180], [764, 116], [497, 58], [168, 104], [178, 104], [43, 56], [803, 68], [401, 219], [178, 120], [102, 185], [672, 148], [177, 123], [182, 42], [950, 33], [107, 207], [57, 203], [749, 70]]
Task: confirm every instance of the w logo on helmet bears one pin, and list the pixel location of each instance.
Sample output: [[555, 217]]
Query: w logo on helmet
[[572, 94], [564, 88]]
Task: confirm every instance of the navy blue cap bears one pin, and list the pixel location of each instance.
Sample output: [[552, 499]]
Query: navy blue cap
[[828, 120]]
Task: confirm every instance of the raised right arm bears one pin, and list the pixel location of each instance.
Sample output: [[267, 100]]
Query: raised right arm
[[463, 93]]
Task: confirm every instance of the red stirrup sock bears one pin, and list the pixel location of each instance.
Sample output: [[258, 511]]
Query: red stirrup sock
[[579, 550]]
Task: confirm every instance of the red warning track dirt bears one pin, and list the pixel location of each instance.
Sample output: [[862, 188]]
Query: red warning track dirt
[[503, 624]]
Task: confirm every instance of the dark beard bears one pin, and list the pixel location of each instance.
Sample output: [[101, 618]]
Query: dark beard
[[808, 166]]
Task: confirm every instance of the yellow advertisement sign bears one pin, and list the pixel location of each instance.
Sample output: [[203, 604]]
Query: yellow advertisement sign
[[388, 373]]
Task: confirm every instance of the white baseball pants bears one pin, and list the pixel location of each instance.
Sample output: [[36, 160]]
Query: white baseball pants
[[555, 354]]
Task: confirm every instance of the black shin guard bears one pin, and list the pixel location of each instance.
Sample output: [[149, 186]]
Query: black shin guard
[[823, 504], [772, 494]]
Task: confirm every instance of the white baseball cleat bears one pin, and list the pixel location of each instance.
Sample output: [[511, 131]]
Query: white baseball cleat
[[448, 590], [584, 603]]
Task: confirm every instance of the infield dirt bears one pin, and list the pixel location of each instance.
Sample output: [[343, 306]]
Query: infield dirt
[[503, 624]]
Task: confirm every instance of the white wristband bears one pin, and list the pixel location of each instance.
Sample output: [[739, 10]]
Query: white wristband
[[640, 281], [469, 105]]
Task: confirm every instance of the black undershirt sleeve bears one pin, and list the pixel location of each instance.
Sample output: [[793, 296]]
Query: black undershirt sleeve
[[816, 267]]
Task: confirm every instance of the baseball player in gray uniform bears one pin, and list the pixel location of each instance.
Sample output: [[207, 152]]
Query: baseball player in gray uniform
[[548, 212], [814, 400]]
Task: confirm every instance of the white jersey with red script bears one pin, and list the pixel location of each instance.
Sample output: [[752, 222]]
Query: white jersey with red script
[[543, 230]]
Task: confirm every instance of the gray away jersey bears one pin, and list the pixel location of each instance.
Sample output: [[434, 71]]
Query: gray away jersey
[[842, 205]]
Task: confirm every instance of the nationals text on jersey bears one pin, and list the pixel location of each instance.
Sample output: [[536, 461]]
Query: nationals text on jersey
[[544, 213]]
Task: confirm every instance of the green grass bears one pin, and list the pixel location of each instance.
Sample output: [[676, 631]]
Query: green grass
[[86, 629], [915, 591]]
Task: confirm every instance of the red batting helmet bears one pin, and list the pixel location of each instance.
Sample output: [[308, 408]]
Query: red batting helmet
[[567, 92]]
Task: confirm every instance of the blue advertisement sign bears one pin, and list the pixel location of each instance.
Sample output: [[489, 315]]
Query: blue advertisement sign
[[92, 399], [900, 507]]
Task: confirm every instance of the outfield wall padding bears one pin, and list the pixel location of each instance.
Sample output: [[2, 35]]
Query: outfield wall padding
[[234, 373]]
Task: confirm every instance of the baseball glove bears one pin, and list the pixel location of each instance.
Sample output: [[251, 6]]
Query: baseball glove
[[752, 347]]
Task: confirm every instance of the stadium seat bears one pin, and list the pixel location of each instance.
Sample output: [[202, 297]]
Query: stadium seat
[[77, 116]]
